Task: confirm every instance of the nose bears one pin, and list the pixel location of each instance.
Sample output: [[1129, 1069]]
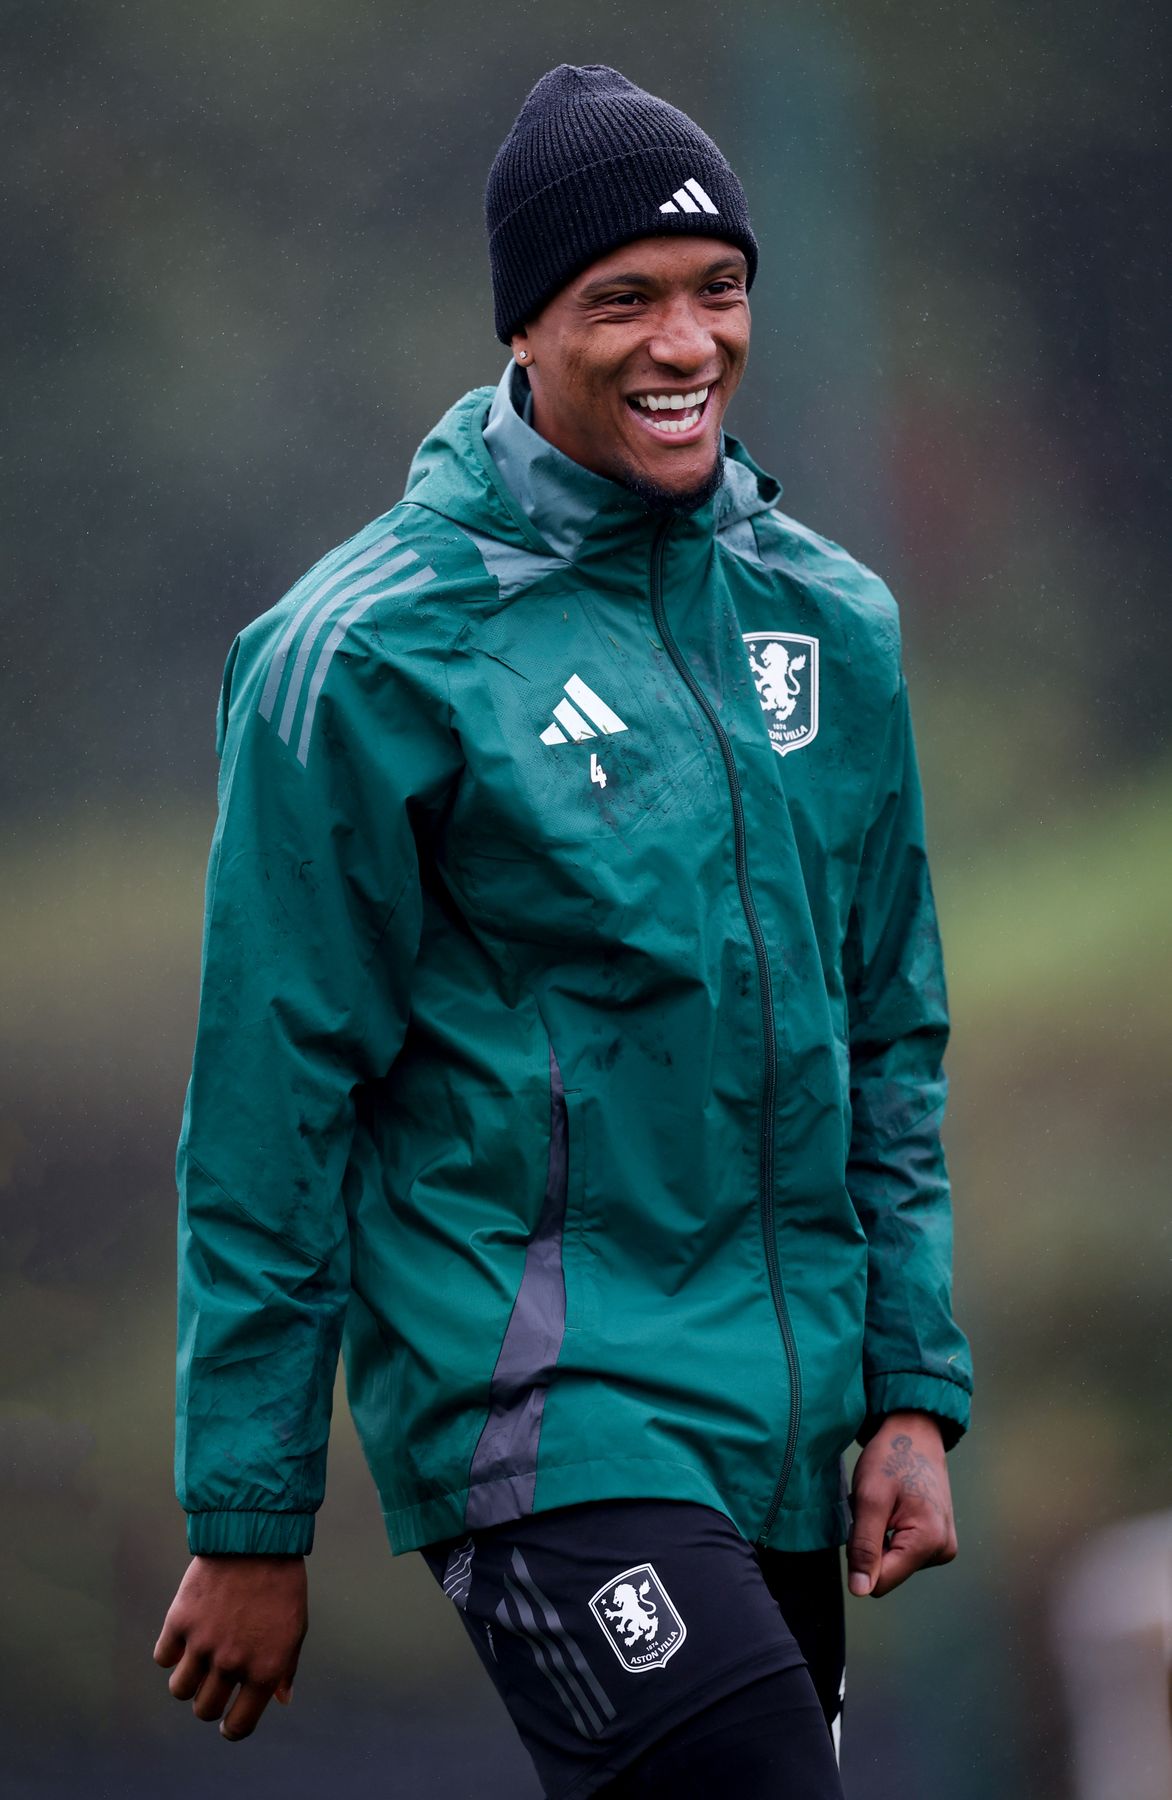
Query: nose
[[682, 338]]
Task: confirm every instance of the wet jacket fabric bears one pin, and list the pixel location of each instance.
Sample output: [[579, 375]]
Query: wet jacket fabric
[[571, 1019]]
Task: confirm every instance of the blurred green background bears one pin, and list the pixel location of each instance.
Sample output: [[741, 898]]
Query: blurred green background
[[245, 271]]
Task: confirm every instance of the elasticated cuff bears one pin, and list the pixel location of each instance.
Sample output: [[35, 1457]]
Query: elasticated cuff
[[250, 1533], [900, 1392]]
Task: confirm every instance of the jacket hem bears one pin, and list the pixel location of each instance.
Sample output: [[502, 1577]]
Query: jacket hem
[[411, 1527], [817, 1527]]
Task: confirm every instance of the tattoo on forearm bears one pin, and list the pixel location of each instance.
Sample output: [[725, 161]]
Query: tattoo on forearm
[[914, 1472]]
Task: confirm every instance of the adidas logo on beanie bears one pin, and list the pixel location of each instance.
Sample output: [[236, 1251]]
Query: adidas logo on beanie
[[592, 162]]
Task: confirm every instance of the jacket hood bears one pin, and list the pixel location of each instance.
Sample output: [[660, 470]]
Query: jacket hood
[[486, 469]]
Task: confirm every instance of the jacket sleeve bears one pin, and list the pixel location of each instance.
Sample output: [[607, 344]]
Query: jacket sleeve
[[313, 914], [914, 1354]]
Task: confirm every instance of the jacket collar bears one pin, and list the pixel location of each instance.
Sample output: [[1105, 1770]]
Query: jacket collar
[[564, 502], [484, 467]]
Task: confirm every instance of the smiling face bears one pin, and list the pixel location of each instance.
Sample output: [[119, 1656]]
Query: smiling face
[[634, 361]]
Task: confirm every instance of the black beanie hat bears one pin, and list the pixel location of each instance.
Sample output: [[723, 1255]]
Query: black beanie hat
[[592, 162]]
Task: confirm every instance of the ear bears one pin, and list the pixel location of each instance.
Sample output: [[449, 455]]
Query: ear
[[522, 351]]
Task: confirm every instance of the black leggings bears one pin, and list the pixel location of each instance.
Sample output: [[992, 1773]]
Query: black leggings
[[767, 1741], [645, 1647]]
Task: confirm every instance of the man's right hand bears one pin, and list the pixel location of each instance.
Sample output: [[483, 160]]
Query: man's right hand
[[237, 1622]]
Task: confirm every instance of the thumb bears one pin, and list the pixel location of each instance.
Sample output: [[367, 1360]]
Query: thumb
[[864, 1550]]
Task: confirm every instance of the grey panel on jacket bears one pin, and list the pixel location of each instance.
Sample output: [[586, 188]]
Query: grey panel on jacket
[[503, 1476], [512, 566]]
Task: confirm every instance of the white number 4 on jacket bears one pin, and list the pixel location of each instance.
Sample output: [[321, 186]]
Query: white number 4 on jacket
[[597, 772]]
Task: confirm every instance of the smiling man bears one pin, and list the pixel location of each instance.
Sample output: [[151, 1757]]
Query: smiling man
[[632, 365], [570, 1036]]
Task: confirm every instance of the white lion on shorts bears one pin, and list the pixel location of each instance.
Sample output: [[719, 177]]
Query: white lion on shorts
[[632, 1616]]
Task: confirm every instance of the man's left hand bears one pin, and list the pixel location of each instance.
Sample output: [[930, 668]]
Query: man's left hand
[[901, 1503]]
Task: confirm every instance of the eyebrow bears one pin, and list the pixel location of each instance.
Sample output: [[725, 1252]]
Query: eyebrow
[[633, 279]]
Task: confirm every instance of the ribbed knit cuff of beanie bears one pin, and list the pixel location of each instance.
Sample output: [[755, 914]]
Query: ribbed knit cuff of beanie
[[593, 162]]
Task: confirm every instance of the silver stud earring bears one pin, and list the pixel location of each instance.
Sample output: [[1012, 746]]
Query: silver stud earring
[[521, 355]]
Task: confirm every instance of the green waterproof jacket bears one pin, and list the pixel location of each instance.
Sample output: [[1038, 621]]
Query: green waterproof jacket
[[571, 1022]]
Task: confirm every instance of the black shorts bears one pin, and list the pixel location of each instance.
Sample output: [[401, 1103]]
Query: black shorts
[[606, 1627]]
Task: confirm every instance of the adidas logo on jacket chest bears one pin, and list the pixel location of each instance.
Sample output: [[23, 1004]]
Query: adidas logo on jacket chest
[[596, 739], [785, 672]]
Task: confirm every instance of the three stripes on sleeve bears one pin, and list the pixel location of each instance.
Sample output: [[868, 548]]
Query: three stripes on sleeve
[[338, 593]]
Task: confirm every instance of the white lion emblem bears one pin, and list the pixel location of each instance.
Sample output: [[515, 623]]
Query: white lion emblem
[[636, 1616], [632, 1616], [776, 676]]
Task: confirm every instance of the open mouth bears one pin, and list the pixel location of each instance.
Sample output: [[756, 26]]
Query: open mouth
[[671, 415]]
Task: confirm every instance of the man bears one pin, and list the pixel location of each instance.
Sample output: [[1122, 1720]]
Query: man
[[571, 1027]]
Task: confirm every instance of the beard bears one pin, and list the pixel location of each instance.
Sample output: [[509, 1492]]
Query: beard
[[677, 501]]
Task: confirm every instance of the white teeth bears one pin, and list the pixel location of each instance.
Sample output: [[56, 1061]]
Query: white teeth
[[682, 424], [672, 402]]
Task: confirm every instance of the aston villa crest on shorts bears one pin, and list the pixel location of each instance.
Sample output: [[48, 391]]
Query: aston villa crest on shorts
[[638, 1620], [785, 669]]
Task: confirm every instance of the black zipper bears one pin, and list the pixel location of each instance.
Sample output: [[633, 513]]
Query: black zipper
[[769, 1034]]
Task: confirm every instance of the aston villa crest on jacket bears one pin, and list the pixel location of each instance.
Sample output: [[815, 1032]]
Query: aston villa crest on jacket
[[638, 1620], [785, 669]]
